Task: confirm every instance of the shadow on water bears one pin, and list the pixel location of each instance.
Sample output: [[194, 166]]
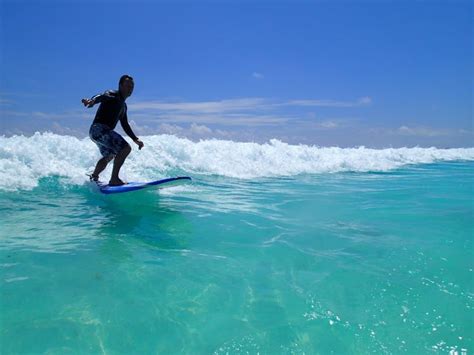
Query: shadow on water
[[61, 217], [142, 218]]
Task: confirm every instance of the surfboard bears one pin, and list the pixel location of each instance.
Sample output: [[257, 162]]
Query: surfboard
[[134, 186]]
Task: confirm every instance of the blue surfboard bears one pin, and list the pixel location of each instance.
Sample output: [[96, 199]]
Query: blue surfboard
[[134, 186]]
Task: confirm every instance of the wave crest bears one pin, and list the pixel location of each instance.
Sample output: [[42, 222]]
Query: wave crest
[[25, 160]]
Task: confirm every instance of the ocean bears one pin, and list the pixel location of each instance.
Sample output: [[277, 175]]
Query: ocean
[[272, 249]]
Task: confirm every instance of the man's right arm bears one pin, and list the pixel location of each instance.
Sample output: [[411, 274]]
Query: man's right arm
[[97, 99]]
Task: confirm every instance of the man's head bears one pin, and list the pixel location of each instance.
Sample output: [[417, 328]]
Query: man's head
[[126, 85]]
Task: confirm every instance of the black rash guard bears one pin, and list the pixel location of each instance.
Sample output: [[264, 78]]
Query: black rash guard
[[111, 110]]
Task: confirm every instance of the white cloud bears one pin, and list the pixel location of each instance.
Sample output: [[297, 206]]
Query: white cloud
[[193, 131], [200, 129], [465, 131], [62, 116], [363, 101], [236, 105], [203, 117], [170, 129], [201, 107], [232, 112], [5, 102], [63, 130], [223, 133], [220, 119], [329, 124], [14, 114], [422, 131], [48, 115]]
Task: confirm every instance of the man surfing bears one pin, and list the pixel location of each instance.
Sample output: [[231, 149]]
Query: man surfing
[[112, 146]]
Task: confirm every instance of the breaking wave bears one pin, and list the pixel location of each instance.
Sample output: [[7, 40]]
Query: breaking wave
[[26, 160]]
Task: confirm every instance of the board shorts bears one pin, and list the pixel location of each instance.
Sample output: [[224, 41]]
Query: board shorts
[[108, 141]]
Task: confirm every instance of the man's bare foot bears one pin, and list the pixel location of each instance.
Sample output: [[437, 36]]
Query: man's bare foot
[[93, 177], [116, 182]]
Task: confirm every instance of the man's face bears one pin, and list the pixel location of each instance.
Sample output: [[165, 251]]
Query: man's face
[[126, 88]]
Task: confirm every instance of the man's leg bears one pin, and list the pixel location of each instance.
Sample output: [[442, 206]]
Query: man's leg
[[118, 162], [101, 165]]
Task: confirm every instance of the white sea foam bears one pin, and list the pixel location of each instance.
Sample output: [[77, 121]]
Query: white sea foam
[[25, 160]]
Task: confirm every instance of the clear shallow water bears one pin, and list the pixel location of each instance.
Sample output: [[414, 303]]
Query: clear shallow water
[[345, 262]]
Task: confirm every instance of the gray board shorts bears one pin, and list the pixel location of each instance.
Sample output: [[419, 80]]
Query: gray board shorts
[[108, 141]]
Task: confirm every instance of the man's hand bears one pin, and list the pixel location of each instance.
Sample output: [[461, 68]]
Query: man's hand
[[140, 144], [88, 103]]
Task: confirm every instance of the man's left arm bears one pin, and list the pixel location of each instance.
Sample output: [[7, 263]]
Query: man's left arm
[[126, 127]]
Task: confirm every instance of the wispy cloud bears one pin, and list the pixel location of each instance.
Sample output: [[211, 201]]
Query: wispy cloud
[[329, 124], [5, 102], [170, 129], [420, 132], [9, 113], [232, 112], [219, 119], [257, 75], [244, 104], [221, 106], [47, 115], [204, 118], [236, 112], [200, 129], [363, 101], [63, 115], [423, 131], [317, 124], [192, 131]]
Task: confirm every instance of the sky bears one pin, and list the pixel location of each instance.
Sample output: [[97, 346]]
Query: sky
[[326, 73]]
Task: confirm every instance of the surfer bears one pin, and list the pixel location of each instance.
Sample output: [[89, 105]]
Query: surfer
[[112, 146]]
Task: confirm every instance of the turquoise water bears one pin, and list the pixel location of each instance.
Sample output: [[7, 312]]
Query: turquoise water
[[313, 263]]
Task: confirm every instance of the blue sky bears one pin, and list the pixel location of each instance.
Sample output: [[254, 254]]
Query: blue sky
[[346, 73]]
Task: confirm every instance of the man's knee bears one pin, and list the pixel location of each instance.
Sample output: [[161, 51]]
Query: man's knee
[[127, 149], [109, 158]]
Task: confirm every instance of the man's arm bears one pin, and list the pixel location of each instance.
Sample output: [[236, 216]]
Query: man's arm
[[126, 127], [97, 99]]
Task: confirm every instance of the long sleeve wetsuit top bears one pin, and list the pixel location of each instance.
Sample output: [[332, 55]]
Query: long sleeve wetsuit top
[[111, 110]]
